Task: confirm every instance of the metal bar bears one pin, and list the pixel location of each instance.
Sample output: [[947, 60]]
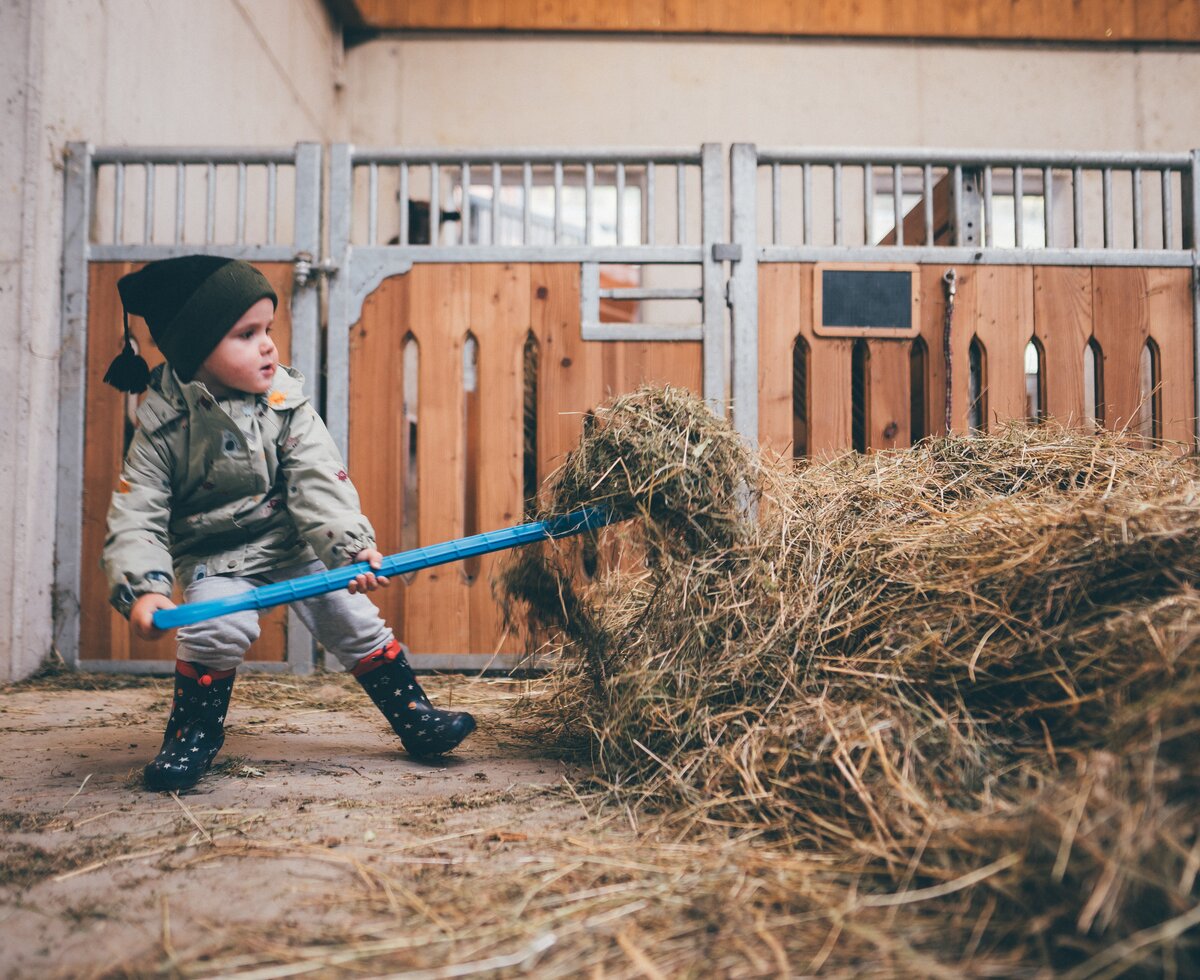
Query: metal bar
[[743, 289], [558, 202], [435, 204], [1191, 182], [837, 204], [1019, 206], [649, 203], [776, 203], [1108, 208], [241, 204], [651, 292], [868, 204], [180, 200], [1077, 204], [527, 202], [957, 191], [464, 180], [191, 154], [119, 204], [341, 295], [898, 202], [373, 204], [715, 366], [402, 200], [619, 180], [1168, 208], [638, 332], [927, 194], [632, 254], [967, 255], [807, 194], [1048, 205], [589, 180], [988, 223], [541, 156], [272, 201], [1135, 177], [971, 158], [210, 204], [141, 252], [680, 205], [497, 189], [148, 207], [72, 393]]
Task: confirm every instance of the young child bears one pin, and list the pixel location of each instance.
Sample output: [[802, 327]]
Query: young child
[[232, 481]]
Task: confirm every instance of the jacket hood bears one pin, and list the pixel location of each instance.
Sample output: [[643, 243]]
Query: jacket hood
[[168, 398]]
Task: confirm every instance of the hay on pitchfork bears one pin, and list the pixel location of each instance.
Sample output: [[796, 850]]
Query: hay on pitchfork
[[978, 653]]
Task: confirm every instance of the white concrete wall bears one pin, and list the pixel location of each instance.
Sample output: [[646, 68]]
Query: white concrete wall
[[494, 90], [117, 72]]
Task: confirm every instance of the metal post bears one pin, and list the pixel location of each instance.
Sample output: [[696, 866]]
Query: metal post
[[1191, 183], [716, 362], [72, 367], [743, 289], [337, 359]]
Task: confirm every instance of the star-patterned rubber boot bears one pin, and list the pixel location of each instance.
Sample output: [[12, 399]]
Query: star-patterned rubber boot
[[425, 730], [195, 730]]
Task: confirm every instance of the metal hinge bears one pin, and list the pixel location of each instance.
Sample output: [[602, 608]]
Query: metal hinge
[[726, 252], [305, 270]]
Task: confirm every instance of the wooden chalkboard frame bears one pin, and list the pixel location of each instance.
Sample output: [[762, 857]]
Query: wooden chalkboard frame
[[877, 333]]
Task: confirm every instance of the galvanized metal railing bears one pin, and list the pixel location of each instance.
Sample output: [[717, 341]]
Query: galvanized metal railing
[[138, 204], [543, 205]]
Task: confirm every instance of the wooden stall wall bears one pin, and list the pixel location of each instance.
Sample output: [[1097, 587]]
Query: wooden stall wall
[[1003, 308], [104, 633], [470, 447]]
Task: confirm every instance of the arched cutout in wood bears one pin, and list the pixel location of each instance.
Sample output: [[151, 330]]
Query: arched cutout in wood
[[918, 371], [977, 387], [860, 394], [472, 449], [531, 360], [411, 358], [1035, 381], [800, 403], [1149, 415], [1093, 384]]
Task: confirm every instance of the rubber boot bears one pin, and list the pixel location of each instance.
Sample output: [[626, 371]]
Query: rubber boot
[[195, 730], [423, 729]]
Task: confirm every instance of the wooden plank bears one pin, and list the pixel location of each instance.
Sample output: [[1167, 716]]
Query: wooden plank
[[1004, 325], [1121, 326], [888, 421], [779, 310], [1169, 314], [377, 462], [1062, 318], [500, 321], [1105, 21], [437, 597], [105, 635]]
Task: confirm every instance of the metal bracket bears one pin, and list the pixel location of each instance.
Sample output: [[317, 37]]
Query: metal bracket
[[726, 252], [307, 271]]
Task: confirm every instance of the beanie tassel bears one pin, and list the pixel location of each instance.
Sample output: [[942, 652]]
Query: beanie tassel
[[128, 371]]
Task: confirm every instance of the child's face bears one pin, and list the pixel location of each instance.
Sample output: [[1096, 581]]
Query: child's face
[[245, 360]]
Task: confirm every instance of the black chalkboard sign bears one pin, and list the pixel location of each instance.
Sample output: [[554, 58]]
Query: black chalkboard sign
[[865, 301]]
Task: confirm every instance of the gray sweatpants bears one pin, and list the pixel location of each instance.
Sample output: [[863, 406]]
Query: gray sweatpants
[[348, 626]]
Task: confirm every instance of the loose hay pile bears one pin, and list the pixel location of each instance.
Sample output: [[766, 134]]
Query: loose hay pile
[[966, 673]]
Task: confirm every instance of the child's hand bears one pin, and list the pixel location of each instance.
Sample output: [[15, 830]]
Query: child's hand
[[142, 615], [369, 581]]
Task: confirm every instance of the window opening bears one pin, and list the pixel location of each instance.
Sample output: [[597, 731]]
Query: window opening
[[1149, 416], [409, 536]]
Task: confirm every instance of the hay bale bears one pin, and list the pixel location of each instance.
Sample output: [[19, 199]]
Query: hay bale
[[919, 660]]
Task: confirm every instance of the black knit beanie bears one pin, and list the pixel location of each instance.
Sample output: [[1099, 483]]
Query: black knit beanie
[[189, 303]]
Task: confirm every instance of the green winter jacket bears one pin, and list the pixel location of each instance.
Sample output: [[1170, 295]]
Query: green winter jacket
[[228, 487]]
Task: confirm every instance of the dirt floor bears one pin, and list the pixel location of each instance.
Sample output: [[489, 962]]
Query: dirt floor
[[315, 847]]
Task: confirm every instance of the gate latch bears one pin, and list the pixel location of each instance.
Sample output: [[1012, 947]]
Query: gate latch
[[305, 270]]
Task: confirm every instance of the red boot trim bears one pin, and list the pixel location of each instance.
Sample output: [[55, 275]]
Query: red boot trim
[[377, 658], [190, 670]]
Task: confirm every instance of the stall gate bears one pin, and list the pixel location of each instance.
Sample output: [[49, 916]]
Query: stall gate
[[481, 303], [125, 207]]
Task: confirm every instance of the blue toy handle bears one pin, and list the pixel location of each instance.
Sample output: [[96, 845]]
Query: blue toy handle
[[307, 586]]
